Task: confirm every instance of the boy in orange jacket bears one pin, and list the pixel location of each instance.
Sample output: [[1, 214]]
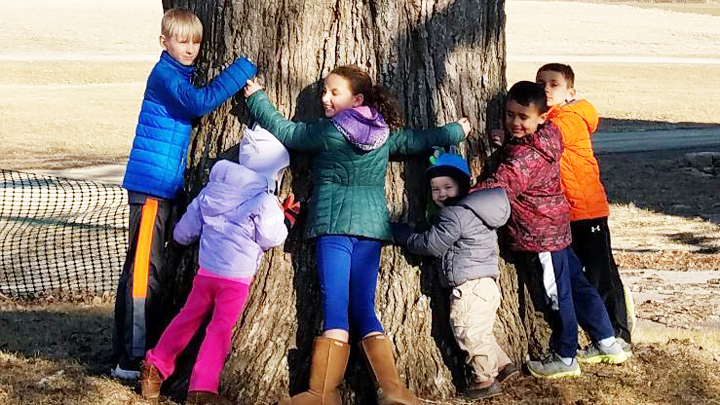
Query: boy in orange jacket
[[580, 179]]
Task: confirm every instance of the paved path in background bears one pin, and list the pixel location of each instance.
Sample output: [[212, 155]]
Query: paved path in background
[[605, 142], [612, 142]]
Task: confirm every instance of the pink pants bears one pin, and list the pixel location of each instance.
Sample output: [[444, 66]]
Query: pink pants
[[225, 298]]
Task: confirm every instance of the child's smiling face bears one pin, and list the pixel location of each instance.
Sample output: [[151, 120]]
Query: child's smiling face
[[442, 188], [183, 50], [337, 95], [521, 120]]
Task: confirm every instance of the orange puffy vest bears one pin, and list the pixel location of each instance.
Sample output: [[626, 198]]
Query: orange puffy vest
[[579, 171]]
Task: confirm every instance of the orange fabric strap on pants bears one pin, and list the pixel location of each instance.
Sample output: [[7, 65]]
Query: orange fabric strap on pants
[[140, 275], [144, 247]]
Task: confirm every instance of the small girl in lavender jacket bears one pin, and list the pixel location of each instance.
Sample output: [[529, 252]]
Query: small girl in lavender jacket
[[236, 216]]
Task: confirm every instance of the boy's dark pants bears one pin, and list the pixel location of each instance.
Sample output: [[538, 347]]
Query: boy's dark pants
[[559, 273], [138, 308], [591, 243]]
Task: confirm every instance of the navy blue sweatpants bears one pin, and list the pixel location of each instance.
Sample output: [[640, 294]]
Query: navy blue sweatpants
[[571, 298], [348, 268]]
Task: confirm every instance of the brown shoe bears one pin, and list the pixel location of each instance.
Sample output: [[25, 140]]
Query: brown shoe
[[379, 354], [329, 360], [508, 372], [150, 381], [205, 398]]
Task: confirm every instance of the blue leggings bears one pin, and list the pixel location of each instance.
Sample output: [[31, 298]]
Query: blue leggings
[[348, 268]]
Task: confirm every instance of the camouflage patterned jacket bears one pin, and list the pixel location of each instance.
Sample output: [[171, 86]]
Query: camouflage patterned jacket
[[530, 174]]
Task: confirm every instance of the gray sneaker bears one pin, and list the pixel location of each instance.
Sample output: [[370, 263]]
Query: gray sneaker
[[596, 353], [553, 367], [627, 347]]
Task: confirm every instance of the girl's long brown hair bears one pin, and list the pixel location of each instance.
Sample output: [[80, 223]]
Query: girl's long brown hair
[[375, 95]]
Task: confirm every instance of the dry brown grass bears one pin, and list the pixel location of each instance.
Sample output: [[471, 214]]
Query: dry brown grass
[[79, 27], [37, 380], [67, 125], [57, 353], [26, 74]]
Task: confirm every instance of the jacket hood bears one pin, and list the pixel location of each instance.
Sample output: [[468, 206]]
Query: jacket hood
[[230, 186], [365, 133], [262, 153], [491, 205], [583, 108]]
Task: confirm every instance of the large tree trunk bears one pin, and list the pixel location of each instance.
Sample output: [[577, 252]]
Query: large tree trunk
[[443, 59]]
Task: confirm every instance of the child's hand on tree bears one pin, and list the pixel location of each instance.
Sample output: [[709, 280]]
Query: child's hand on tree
[[251, 86], [497, 138], [465, 124]]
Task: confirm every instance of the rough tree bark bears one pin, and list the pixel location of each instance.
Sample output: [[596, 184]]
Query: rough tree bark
[[443, 59]]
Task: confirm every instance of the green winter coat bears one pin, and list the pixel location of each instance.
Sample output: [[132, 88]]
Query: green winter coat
[[348, 184]]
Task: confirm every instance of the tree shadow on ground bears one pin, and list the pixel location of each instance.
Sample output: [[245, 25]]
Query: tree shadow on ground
[[663, 182], [656, 181], [67, 332], [58, 353]]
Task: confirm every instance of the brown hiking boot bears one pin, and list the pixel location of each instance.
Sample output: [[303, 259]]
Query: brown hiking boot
[[205, 398], [508, 372], [150, 381], [329, 360], [379, 354], [478, 390]]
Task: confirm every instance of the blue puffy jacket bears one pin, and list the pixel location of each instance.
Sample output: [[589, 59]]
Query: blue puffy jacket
[[157, 161]]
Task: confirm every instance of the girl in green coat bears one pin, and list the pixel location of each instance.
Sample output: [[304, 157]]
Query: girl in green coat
[[348, 216]]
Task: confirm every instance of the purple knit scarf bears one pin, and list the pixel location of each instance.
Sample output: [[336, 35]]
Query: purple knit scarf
[[365, 133]]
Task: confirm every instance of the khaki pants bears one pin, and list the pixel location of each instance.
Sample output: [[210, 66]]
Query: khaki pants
[[472, 315]]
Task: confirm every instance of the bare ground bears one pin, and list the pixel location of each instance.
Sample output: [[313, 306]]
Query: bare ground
[[55, 354]]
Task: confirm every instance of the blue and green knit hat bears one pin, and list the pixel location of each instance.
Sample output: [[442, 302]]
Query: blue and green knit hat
[[452, 165]]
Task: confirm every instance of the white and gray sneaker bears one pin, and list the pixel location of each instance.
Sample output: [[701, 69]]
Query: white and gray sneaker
[[552, 366], [627, 347], [597, 353], [123, 374]]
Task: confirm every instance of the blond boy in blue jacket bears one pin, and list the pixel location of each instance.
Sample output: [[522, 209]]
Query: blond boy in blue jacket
[[155, 173]]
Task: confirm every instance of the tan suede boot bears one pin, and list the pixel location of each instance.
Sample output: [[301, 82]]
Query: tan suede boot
[[379, 354], [329, 360], [205, 398], [150, 381]]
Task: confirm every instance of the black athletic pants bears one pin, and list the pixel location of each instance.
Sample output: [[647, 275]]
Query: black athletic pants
[[138, 305], [591, 244]]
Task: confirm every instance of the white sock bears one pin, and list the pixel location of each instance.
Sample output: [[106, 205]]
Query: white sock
[[567, 360], [607, 342]]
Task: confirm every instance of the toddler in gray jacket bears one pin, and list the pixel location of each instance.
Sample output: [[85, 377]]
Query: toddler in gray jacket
[[463, 237]]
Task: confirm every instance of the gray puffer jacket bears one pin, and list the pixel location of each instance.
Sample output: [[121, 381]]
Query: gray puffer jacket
[[463, 236]]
